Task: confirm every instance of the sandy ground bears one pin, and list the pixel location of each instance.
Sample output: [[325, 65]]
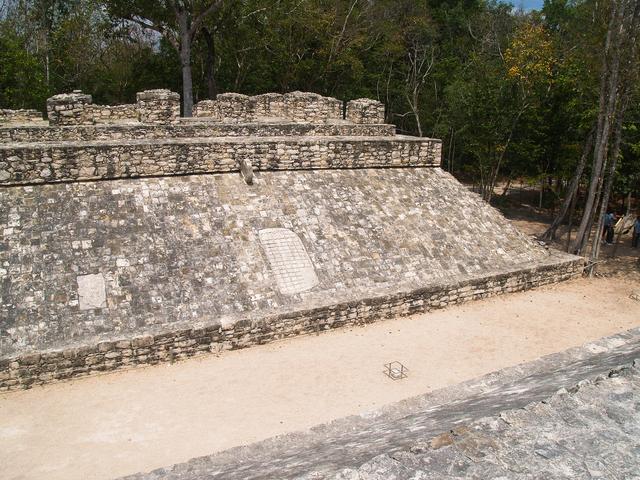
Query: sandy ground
[[111, 425]]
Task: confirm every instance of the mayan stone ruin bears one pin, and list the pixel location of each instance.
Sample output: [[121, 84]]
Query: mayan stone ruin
[[132, 236]]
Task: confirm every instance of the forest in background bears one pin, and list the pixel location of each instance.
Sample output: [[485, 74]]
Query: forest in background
[[513, 95]]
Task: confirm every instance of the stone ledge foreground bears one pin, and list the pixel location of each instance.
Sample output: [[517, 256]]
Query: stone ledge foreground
[[571, 414], [104, 275]]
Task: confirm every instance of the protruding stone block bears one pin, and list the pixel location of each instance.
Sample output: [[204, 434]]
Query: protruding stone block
[[92, 291], [158, 106], [70, 109], [365, 111]]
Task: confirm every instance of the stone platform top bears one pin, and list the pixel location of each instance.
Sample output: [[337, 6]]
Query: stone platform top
[[82, 261]]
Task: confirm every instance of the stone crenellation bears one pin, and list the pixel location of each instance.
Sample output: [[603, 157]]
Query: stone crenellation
[[70, 109], [294, 106], [29, 369], [19, 117], [365, 111], [297, 130], [158, 106]]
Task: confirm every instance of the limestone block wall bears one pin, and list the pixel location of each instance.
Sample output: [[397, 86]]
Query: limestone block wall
[[206, 109], [19, 116], [37, 368], [158, 106], [295, 106], [365, 110], [194, 128], [112, 113], [72, 161], [268, 105], [311, 107], [69, 109]]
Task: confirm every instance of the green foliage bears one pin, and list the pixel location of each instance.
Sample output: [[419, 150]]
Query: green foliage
[[22, 83], [511, 94]]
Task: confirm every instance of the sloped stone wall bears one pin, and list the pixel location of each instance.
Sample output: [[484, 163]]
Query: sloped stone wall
[[84, 263], [27, 370]]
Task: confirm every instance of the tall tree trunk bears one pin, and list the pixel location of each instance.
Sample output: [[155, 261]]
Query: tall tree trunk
[[187, 81], [595, 251], [550, 233], [609, 80], [210, 63]]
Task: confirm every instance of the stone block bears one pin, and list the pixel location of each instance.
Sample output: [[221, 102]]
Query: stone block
[[91, 291], [70, 109], [365, 111], [268, 105], [158, 106]]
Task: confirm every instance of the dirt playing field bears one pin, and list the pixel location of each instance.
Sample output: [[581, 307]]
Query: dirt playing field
[[120, 423]]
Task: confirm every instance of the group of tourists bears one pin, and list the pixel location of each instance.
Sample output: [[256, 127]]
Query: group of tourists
[[608, 230]]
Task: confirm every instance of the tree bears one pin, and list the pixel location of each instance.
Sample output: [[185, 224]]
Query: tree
[[618, 74], [178, 21]]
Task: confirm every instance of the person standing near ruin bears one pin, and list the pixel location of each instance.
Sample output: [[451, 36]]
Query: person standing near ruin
[[636, 233], [607, 231]]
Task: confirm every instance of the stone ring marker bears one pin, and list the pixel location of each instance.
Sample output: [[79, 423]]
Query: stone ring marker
[[289, 260]]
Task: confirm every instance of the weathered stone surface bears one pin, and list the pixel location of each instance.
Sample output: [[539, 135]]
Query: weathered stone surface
[[91, 291], [365, 110], [548, 435], [591, 432], [158, 106], [188, 128], [289, 261], [69, 161], [69, 109], [184, 252], [19, 117]]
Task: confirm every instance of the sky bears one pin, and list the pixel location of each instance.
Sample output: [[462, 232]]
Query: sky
[[528, 4]]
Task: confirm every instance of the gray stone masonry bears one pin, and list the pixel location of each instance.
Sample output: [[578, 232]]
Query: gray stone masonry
[[293, 106], [158, 106], [19, 117], [296, 228], [365, 110], [183, 253], [188, 128], [311, 107], [569, 415], [269, 105], [72, 161], [232, 107], [51, 365], [127, 113], [69, 109]]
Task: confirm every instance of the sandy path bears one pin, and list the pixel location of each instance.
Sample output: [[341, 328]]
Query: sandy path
[[121, 423]]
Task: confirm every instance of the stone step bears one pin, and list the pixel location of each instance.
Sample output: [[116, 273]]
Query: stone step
[[187, 128], [49, 162]]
